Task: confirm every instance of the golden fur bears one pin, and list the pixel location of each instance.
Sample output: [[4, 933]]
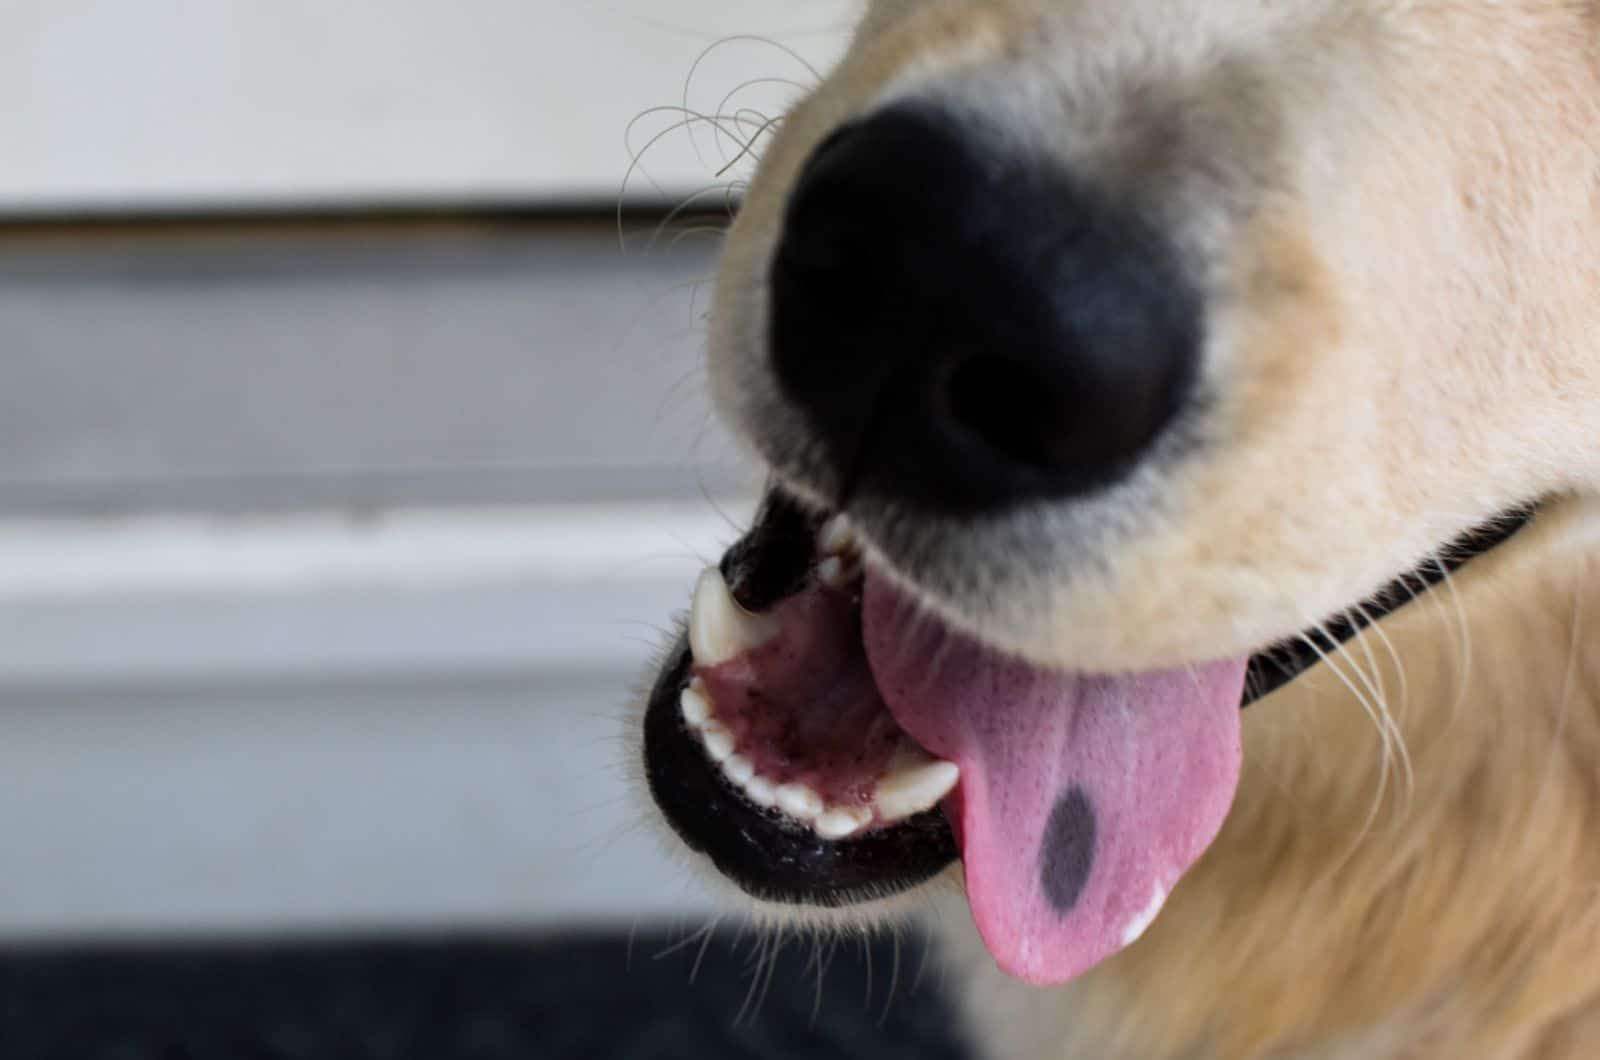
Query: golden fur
[[1356, 905], [1398, 207]]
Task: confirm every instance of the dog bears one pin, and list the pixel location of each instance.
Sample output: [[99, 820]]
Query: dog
[[1118, 364]]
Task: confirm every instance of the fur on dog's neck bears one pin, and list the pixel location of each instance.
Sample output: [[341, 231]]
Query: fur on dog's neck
[[1440, 897]]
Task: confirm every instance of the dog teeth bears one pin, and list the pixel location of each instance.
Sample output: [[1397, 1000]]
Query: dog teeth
[[840, 565], [718, 740], [762, 792], [739, 769], [836, 537], [915, 784], [1141, 921], [799, 802], [840, 823], [719, 629], [696, 708]]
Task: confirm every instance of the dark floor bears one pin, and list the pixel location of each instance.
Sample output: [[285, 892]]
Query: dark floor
[[600, 997]]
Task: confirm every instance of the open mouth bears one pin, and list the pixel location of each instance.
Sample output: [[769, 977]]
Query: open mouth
[[825, 741]]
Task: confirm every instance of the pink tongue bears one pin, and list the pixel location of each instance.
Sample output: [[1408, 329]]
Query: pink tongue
[[1082, 798]]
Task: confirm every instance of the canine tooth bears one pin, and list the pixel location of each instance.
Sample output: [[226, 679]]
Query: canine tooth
[[911, 789], [841, 823], [836, 536], [761, 791], [905, 756], [718, 739], [719, 628], [739, 769], [1141, 921], [696, 707], [799, 801]]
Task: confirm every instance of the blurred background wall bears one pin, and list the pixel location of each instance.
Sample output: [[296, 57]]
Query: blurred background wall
[[353, 447]]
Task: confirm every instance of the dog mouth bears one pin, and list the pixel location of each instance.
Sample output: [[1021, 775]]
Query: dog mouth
[[826, 741]]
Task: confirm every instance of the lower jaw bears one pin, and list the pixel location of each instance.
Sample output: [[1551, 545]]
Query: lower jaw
[[770, 860]]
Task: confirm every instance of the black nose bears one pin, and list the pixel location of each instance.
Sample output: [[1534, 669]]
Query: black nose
[[967, 327]]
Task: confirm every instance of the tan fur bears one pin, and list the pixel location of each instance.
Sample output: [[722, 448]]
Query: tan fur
[[1398, 206], [1345, 914], [1434, 165]]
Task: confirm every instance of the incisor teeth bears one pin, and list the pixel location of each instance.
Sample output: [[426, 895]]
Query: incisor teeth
[[696, 708], [761, 791], [799, 801], [719, 629], [840, 824], [718, 739], [911, 789], [740, 769]]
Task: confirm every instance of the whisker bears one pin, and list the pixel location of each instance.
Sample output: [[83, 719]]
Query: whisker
[[694, 971], [755, 978], [695, 232], [1383, 734], [1394, 655], [749, 147], [684, 943], [894, 975], [754, 82], [816, 994], [714, 46], [636, 157], [866, 954], [772, 967], [679, 210], [1466, 635], [1381, 702]]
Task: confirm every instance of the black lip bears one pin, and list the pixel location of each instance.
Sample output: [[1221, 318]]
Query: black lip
[[773, 860], [1276, 666], [754, 848]]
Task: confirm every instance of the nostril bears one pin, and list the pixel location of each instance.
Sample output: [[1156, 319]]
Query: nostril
[[1005, 405], [966, 328]]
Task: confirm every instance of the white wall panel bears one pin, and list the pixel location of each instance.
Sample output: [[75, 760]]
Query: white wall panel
[[119, 104], [315, 725]]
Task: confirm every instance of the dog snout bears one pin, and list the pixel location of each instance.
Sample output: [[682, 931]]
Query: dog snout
[[966, 326]]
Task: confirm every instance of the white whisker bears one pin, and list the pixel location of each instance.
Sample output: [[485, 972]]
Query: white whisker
[[1394, 655], [1466, 637], [1381, 702], [1383, 734]]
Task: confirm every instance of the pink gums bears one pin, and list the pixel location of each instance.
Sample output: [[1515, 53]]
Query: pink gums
[[803, 707]]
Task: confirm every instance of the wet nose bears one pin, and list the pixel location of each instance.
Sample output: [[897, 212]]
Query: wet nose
[[965, 326]]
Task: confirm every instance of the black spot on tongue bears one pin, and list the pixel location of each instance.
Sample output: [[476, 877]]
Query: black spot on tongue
[[1067, 853]]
